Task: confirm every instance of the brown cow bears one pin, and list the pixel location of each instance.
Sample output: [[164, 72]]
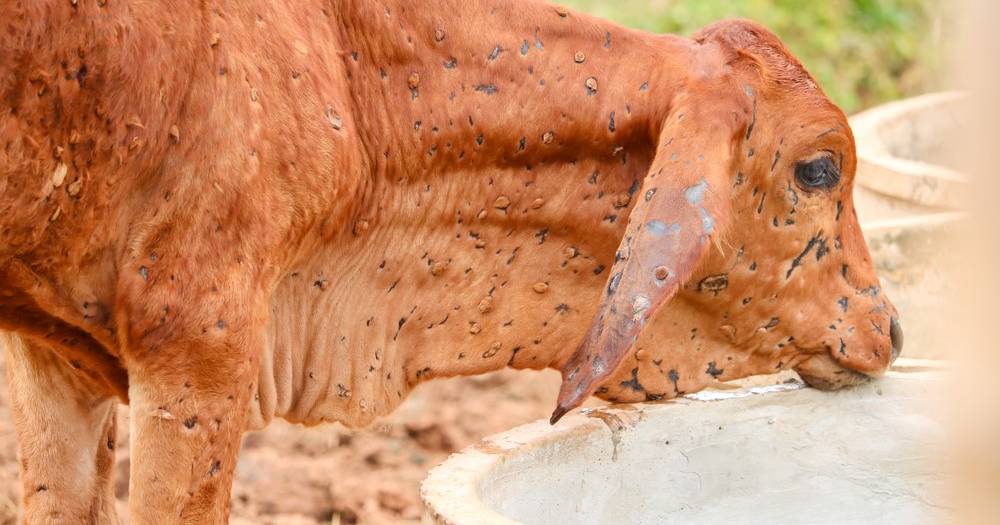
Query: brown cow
[[228, 212]]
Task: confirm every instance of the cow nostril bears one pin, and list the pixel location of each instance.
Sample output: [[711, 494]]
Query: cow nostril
[[896, 335]]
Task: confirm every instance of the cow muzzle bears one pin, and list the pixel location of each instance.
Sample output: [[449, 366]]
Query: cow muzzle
[[825, 372]]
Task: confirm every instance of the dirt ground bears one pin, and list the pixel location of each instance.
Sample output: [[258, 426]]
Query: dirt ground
[[290, 475]]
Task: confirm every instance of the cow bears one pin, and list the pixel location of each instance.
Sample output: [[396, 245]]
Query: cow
[[223, 213]]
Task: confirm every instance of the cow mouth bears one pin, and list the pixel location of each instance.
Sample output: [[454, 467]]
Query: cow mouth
[[823, 372]]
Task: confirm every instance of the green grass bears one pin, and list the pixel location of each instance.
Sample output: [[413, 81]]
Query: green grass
[[862, 52]]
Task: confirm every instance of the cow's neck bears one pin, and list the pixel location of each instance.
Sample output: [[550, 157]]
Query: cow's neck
[[480, 75]]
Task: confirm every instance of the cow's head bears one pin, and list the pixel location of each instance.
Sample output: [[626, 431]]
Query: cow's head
[[744, 254]]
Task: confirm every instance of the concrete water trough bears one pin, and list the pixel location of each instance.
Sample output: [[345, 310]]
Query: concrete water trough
[[775, 454], [907, 149], [779, 453]]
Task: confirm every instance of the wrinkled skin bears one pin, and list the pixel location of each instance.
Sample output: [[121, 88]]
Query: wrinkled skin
[[227, 214]]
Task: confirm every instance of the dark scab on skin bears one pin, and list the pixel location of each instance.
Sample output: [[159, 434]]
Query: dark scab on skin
[[713, 371], [714, 283], [613, 283], [674, 377], [822, 249], [633, 384], [797, 261], [513, 354], [81, 74], [489, 89], [871, 291], [541, 235], [399, 326]]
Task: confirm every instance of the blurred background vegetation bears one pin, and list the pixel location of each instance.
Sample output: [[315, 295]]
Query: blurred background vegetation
[[862, 52]]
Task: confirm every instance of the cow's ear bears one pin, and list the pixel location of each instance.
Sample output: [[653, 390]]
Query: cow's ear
[[684, 203]]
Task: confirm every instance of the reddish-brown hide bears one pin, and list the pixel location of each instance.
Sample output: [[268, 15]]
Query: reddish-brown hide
[[229, 212]]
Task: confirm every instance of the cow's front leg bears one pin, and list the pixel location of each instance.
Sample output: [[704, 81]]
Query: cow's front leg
[[65, 437], [188, 411]]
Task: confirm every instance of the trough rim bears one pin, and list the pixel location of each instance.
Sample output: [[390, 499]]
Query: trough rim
[[911, 180], [450, 492]]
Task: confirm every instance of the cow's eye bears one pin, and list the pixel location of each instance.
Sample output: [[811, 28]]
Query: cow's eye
[[819, 173]]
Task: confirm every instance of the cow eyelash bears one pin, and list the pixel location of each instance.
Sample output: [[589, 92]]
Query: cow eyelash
[[820, 173]]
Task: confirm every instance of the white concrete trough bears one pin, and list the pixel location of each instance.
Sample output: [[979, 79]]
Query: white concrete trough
[[907, 149], [774, 454]]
